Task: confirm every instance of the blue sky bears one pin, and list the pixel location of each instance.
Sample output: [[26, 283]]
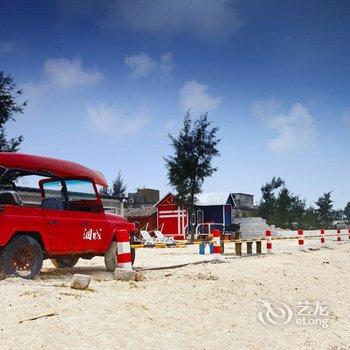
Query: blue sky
[[107, 80]]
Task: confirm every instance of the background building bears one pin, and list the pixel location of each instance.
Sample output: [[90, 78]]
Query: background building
[[243, 205], [145, 216], [214, 207], [171, 217], [144, 197]]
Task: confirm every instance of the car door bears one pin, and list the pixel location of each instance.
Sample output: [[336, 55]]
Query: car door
[[62, 227], [94, 227], [61, 224], [92, 222]]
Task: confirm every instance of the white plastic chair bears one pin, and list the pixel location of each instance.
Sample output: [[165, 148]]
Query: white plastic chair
[[146, 238], [162, 239]]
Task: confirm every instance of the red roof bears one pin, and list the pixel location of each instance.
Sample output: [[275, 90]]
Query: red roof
[[168, 195], [61, 168]]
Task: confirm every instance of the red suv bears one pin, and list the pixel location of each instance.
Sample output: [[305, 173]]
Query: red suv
[[70, 223]]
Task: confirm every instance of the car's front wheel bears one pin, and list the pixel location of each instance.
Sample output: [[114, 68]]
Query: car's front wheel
[[66, 261], [23, 257], [110, 256]]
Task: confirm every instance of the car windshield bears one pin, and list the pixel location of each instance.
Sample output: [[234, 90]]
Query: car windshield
[[80, 190]]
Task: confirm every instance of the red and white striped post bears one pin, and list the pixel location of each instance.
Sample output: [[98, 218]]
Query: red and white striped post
[[338, 235], [322, 237], [217, 243], [268, 236], [123, 257], [301, 239]]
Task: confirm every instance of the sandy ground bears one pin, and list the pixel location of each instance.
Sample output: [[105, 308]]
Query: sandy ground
[[210, 305]]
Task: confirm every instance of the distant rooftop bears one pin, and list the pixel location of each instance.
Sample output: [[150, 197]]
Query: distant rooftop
[[245, 194], [139, 212], [213, 198]]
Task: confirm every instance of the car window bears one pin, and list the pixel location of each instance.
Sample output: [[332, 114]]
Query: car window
[[53, 189], [80, 190]]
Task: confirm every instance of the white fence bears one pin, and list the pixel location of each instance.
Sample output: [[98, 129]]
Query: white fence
[[206, 227]]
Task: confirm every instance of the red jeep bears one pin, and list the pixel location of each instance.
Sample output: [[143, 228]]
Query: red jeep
[[70, 223]]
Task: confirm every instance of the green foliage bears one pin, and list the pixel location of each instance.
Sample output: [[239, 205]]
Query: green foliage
[[347, 212], [297, 213], [310, 219], [338, 214], [105, 191], [325, 210], [118, 188], [8, 108], [268, 203], [194, 149], [282, 208]]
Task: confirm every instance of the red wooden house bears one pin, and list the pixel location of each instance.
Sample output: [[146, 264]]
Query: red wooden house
[[172, 217], [145, 216]]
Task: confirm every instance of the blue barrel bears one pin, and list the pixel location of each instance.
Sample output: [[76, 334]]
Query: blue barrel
[[211, 246]]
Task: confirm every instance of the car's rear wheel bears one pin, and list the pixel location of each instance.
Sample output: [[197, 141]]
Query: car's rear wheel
[[111, 254], [23, 257], [66, 261]]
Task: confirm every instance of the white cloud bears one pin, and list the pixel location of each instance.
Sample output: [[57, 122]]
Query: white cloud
[[66, 73], [205, 18], [7, 46], [108, 120], [62, 73], [141, 65], [166, 65], [35, 90], [295, 130], [195, 96]]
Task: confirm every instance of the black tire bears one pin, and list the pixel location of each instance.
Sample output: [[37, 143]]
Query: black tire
[[65, 261], [23, 257], [110, 256], [133, 255]]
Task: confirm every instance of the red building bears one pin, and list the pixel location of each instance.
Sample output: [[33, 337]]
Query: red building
[[171, 217], [146, 217]]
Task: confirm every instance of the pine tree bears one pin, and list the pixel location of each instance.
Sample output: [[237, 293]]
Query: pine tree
[[279, 206], [297, 212], [325, 210], [118, 186], [347, 212], [105, 191], [268, 201], [283, 208], [194, 149], [310, 219], [8, 108]]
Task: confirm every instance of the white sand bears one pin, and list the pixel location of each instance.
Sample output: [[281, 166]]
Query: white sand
[[205, 306]]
